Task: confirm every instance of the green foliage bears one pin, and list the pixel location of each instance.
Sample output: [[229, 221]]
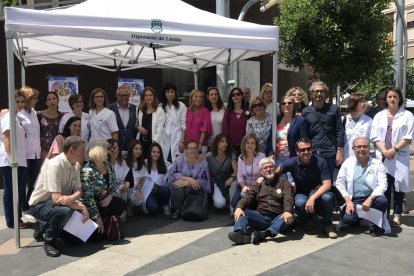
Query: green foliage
[[8, 3], [343, 41], [371, 86]]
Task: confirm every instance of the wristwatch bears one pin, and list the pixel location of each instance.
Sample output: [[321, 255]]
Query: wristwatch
[[396, 150]]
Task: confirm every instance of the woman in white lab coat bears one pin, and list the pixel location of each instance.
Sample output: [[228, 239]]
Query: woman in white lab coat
[[174, 126], [392, 133]]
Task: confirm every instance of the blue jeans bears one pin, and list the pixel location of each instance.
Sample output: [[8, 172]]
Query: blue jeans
[[380, 203], [324, 207], [33, 169], [259, 221], [398, 196], [158, 198], [53, 216], [8, 192]]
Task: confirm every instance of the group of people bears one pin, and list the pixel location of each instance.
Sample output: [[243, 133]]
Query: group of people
[[118, 158]]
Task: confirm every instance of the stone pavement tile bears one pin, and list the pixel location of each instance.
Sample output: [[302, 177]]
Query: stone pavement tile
[[120, 259], [9, 247]]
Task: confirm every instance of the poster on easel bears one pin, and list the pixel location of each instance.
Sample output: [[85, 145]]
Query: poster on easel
[[64, 87], [135, 87]]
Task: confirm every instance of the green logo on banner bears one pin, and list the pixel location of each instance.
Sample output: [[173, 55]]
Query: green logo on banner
[[156, 26]]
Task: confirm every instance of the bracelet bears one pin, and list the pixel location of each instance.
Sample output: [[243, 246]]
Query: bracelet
[[340, 149], [396, 150]]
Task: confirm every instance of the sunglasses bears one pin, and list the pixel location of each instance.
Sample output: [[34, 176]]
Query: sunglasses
[[257, 105], [268, 91], [309, 149], [296, 94], [286, 103], [238, 94], [319, 91]]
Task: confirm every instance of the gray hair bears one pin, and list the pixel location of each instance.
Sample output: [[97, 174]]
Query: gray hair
[[318, 83], [266, 160], [360, 138]]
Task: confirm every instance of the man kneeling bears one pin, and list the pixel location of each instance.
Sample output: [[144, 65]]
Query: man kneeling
[[273, 196]]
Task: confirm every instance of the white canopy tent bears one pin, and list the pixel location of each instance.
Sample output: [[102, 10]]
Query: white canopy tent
[[119, 35]]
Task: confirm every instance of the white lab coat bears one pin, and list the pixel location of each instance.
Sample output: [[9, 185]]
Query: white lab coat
[[174, 124], [102, 124], [362, 128], [158, 119], [402, 128]]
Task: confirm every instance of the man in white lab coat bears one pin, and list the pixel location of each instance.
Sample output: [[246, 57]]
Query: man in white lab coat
[[362, 180]]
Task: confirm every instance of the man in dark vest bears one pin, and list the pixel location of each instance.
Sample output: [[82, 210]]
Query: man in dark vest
[[126, 117]]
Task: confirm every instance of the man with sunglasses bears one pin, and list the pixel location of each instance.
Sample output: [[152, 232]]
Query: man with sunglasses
[[325, 127], [362, 180], [312, 187]]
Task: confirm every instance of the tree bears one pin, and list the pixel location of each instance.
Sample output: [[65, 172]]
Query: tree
[[8, 3], [343, 41]]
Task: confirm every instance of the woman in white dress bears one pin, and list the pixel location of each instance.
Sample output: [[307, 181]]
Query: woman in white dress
[[174, 126], [215, 105], [102, 121]]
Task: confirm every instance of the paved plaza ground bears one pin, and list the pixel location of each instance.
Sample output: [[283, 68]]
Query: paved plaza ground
[[161, 246]]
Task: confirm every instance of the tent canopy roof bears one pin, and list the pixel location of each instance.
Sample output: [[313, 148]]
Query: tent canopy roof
[[130, 34]]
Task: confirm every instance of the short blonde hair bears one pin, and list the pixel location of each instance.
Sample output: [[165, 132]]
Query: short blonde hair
[[98, 150], [29, 93], [195, 91], [253, 101], [305, 100]]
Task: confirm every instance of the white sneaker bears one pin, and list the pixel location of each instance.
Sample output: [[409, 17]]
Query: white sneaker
[[27, 217], [167, 210]]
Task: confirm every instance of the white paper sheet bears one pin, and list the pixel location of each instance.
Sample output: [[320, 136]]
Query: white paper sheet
[[373, 215], [76, 227]]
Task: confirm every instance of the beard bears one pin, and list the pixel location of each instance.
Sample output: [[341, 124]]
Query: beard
[[269, 176]]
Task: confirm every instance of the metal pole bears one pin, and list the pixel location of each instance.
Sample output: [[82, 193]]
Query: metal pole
[[222, 8], [338, 97], [274, 98], [401, 16], [23, 74], [195, 75], [12, 110], [399, 4]]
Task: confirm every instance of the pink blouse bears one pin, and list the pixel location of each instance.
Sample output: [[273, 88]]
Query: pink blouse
[[196, 123]]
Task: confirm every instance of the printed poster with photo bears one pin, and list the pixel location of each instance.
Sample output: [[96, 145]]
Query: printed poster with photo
[[135, 87], [64, 87]]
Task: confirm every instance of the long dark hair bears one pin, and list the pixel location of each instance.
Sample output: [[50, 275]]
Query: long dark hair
[[66, 128], [163, 98], [208, 105], [130, 159], [230, 103], [111, 143], [161, 167], [217, 140]]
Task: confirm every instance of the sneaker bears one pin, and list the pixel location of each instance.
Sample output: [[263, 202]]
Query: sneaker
[[259, 236], [50, 249], [27, 217], [166, 210], [239, 237], [330, 232], [396, 222]]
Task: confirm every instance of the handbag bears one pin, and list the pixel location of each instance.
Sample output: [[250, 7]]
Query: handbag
[[112, 226], [195, 206]]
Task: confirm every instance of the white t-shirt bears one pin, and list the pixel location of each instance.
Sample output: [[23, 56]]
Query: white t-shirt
[[84, 124], [31, 128], [102, 124], [216, 124], [20, 139]]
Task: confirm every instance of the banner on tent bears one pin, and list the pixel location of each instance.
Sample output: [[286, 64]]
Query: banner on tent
[[134, 86], [64, 87]]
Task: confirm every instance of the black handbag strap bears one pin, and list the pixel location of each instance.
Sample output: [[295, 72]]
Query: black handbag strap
[[221, 166]]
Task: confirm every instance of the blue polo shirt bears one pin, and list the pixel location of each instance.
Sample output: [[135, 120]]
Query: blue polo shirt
[[306, 177]]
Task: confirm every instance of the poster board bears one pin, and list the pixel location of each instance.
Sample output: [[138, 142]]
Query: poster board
[[64, 87], [135, 87]]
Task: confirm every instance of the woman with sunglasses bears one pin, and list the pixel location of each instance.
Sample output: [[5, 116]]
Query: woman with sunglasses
[[300, 99], [198, 121], [260, 124], [215, 105], [235, 119], [174, 126]]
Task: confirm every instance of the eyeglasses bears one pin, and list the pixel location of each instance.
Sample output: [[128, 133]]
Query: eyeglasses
[[319, 91], [309, 149], [257, 105], [123, 95], [238, 94], [113, 148], [297, 94], [361, 147], [286, 103], [268, 91], [79, 102]]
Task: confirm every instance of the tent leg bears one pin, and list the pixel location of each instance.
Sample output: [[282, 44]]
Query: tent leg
[[275, 98], [12, 110], [23, 74]]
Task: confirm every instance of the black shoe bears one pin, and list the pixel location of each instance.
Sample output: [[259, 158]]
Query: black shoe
[[38, 231], [374, 232], [259, 236], [50, 249], [239, 237], [175, 215]]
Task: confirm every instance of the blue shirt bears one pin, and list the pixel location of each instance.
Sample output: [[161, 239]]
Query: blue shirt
[[361, 189], [306, 177], [326, 129]]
